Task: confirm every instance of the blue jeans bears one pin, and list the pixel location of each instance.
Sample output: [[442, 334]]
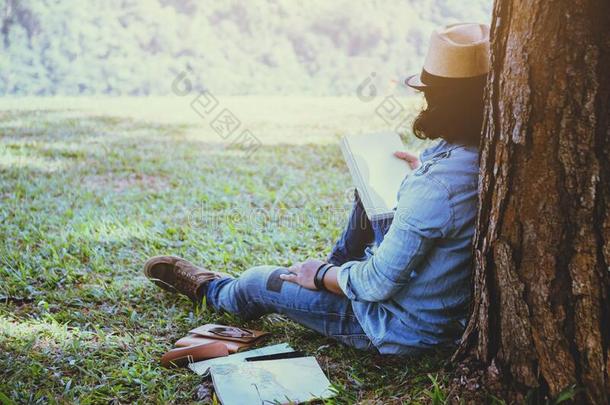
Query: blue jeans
[[359, 236], [259, 290]]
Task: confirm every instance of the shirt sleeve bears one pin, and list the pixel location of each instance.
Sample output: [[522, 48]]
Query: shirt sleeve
[[423, 215]]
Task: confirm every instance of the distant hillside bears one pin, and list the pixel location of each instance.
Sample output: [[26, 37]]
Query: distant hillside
[[138, 47]]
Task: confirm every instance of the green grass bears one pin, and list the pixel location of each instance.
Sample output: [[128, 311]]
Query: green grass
[[84, 202]]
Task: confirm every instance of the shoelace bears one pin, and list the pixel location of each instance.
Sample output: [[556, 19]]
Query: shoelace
[[186, 281]]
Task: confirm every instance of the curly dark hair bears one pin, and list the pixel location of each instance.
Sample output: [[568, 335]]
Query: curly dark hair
[[454, 113]]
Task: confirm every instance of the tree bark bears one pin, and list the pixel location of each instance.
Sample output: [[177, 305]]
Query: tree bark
[[540, 318]]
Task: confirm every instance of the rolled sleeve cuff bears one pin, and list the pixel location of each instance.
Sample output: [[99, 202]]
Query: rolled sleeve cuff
[[343, 279]]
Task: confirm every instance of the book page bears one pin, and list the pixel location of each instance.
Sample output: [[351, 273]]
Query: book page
[[378, 172], [270, 381]]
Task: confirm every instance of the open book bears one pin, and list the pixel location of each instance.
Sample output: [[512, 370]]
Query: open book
[[286, 381], [376, 172]]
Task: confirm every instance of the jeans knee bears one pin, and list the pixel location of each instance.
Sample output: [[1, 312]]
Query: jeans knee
[[256, 275], [253, 281], [249, 292]]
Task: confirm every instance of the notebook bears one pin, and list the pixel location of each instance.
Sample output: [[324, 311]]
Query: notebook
[[284, 381], [376, 172]]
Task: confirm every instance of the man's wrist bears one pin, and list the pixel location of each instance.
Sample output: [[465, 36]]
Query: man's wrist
[[319, 277], [331, 281]]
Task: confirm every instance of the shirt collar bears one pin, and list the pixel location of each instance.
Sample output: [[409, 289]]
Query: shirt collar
[[440, 147]]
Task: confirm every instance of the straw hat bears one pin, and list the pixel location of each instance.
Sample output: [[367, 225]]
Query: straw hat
[[456, 52]]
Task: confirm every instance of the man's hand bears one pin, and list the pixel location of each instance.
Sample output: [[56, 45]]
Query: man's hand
[[303, 273], [411, 159]]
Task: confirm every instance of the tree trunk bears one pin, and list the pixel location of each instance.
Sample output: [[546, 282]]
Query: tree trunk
[[540, 320]]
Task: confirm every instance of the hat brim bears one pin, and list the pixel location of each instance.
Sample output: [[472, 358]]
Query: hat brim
[[415, 82]]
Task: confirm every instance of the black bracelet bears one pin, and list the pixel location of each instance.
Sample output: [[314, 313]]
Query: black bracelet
[[318, 280], [323, 274]]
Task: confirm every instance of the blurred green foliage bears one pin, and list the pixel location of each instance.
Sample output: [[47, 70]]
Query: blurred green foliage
[[138, 47]]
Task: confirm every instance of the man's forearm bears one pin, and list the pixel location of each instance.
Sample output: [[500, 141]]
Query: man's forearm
[[306, 275]]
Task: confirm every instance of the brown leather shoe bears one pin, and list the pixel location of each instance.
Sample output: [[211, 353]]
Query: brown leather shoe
[[177, 275]]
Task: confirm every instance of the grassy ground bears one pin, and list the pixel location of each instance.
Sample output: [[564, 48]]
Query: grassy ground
[[85, 200]]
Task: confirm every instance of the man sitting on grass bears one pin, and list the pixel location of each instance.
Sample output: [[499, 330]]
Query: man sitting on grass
[[413, 292]]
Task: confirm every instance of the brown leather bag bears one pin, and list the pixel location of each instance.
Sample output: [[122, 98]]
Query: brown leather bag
[[182, 356], [191, 340], [232, 333], [210, 341]]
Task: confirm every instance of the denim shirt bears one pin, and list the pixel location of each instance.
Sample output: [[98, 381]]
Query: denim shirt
[[413, 293]]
